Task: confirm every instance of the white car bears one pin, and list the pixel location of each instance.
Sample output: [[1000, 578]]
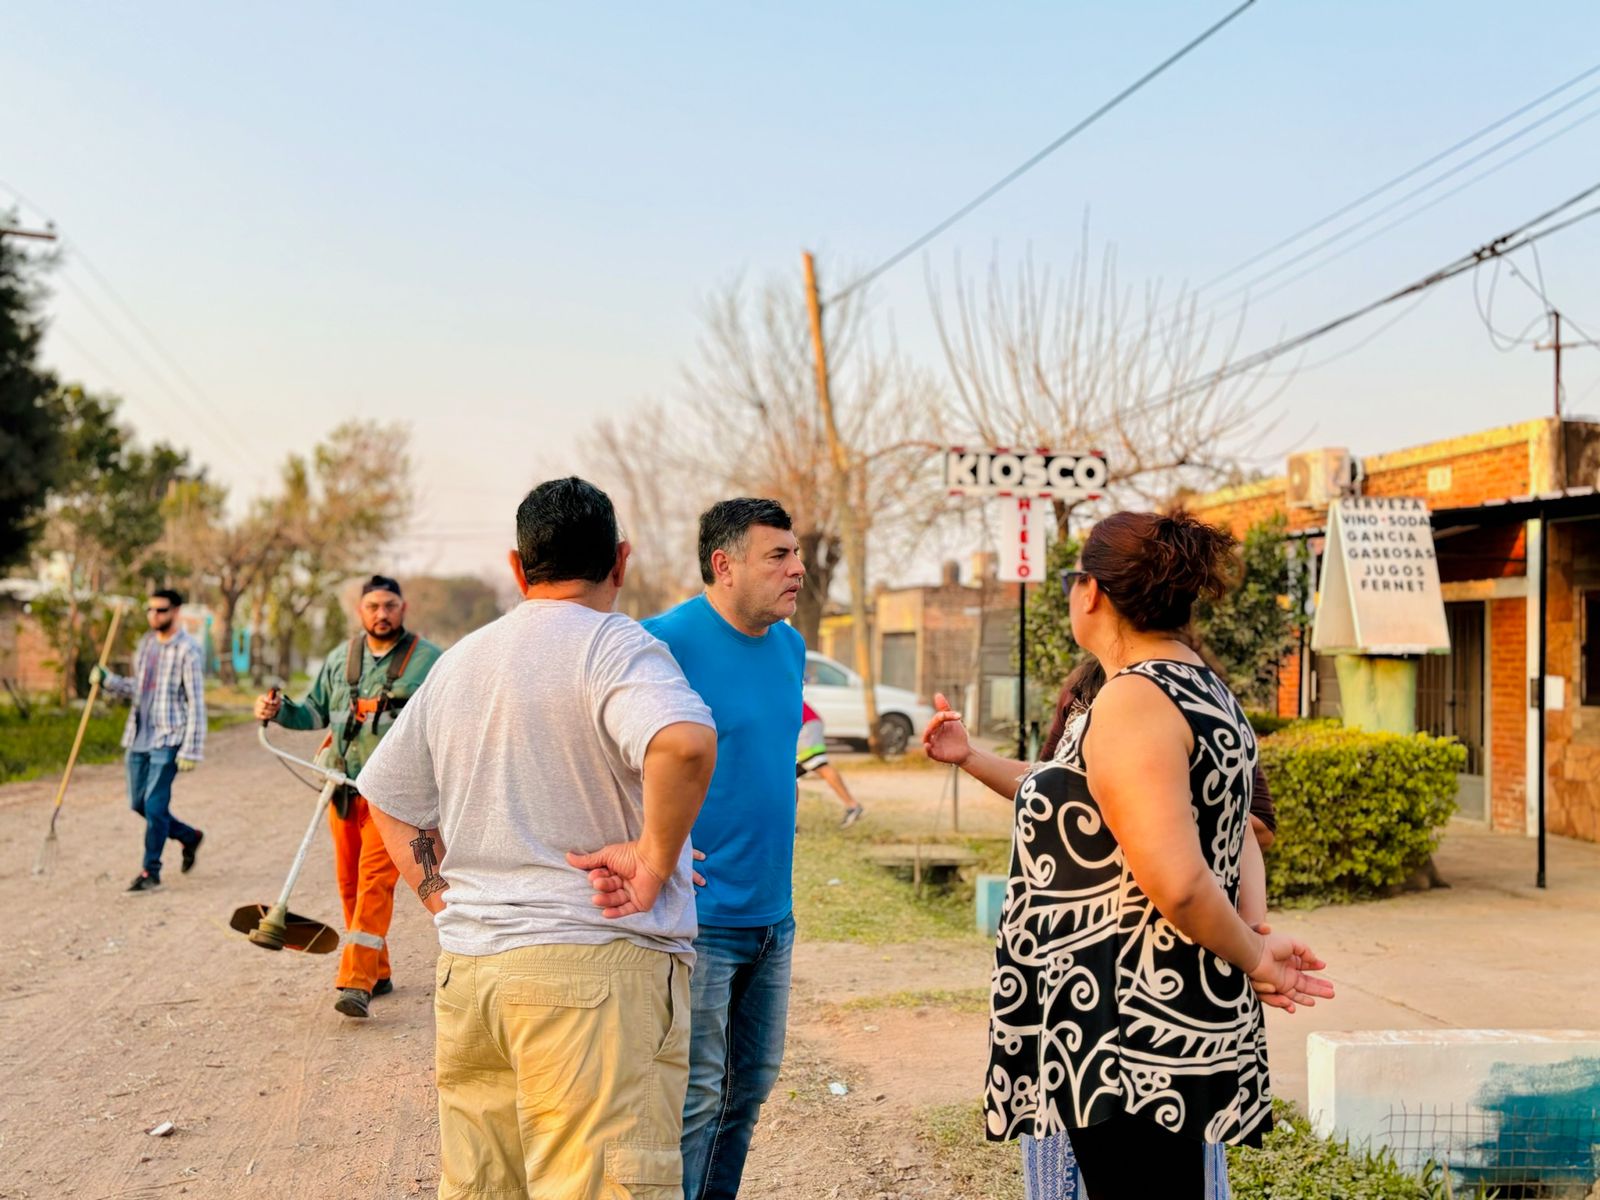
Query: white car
[[837, 694]]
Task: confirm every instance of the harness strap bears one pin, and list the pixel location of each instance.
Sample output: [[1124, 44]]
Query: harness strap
[[363, 707]]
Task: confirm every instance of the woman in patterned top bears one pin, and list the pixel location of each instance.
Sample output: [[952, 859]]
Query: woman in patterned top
[[1125, 1004]]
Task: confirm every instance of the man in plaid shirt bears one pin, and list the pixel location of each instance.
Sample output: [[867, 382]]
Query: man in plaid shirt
[[166, 730]]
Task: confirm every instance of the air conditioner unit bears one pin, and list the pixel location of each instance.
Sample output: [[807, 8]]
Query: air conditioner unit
[[1319, 477]]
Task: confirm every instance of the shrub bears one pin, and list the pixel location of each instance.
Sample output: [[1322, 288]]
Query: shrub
[[1358, 812], [1294, 1162]]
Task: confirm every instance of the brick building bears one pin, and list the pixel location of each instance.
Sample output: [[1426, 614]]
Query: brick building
[[1516, 520], [27, 660], [954, 637]]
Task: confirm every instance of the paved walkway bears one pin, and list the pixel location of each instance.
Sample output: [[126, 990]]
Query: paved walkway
[[1491, 951]]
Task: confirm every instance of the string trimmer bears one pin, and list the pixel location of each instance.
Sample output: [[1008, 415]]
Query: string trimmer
[[276, 928], [48, 848]]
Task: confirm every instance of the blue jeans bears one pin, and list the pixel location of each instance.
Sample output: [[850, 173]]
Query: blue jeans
[[739, 1001], [150, 775]]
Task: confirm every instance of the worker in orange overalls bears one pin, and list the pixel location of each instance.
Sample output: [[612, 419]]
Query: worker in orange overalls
[[360, 691]]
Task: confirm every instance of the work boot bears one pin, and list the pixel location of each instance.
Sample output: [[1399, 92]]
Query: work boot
[[353, 1002], [145, 882], [189, 852], [382, 988]]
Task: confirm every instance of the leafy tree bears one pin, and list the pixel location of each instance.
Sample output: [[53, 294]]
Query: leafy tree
[[1247, 632], [1051, 651], [444, 609], [1251, 628], [104, 518], [30, 436]]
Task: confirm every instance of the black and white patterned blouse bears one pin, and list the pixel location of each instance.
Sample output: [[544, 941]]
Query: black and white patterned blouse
[[1099, 1006]]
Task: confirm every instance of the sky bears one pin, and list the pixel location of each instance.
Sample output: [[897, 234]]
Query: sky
[[499, 222]]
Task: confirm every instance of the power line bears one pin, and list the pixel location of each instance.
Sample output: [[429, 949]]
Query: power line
[[1430, 184], [204, 412], [1500, 246], [1396, 181], [1015, 174], [1434, 202]]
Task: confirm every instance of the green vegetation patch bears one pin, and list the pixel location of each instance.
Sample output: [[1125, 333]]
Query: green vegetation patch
[[39, 745], [1358, 812], [975, 1165], [961, 1000], [841, 896], [1295, 1162]]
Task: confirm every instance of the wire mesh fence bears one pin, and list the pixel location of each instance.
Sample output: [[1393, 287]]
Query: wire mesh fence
[[1518, 1151]]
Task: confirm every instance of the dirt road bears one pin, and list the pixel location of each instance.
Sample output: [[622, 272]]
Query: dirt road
[[121, 1012], [118, 1013]]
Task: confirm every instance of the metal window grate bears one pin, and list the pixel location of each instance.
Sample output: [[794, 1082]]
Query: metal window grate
[[1516, 1151]]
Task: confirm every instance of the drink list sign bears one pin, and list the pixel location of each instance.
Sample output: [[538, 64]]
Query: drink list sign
[[1380, 591]]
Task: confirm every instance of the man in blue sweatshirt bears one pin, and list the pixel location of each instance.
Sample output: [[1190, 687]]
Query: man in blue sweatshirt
[[749, 668]]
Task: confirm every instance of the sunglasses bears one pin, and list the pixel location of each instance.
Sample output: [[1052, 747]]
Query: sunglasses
[[158, 611], [1070, 579]]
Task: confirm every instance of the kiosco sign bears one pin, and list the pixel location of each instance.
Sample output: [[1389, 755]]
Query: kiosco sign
[[1000, 471], [1380, 580]]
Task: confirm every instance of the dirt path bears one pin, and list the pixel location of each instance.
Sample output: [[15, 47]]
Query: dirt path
[[121, 1012], [118, 1013]]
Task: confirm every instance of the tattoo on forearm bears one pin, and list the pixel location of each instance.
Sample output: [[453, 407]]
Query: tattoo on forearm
[[432, 881]]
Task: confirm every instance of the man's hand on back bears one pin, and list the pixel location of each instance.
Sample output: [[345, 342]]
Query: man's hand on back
[[624, 884]]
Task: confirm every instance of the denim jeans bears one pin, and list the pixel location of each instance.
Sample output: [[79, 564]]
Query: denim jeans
[[740, 1008], [150, 776]]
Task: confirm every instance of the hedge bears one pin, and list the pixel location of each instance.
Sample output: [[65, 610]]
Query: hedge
[[1358, 812]]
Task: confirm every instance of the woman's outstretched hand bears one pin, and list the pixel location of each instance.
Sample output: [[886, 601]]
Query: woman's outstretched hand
[[1283, 977], [945, 738]]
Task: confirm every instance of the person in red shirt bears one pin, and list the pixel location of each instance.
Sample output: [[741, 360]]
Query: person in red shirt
[[811, 758]]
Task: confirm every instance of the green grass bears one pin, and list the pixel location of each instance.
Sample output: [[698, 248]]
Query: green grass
[[840, 896], [40, 745], [961, 1000], [977, 1166]]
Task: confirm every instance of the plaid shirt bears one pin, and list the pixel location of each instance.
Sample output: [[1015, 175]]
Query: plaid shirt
[[178, 705]]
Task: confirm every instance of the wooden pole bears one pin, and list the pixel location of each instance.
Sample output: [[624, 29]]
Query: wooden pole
[[849, 516]]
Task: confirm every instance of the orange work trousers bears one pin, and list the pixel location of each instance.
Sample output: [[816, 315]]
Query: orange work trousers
[[366, 877]]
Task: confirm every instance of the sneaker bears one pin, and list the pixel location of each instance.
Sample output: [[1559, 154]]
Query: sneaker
[[382, 988], [353, 1002], [189, 852], [145, 882], [851, 816]]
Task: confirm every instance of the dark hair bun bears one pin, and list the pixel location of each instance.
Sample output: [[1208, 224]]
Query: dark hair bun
[[1154, 566]]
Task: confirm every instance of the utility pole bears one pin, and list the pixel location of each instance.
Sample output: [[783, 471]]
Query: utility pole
[[845, 506], [1556, 346]]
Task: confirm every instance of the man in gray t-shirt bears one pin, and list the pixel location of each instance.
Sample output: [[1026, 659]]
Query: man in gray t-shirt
[[538, 792]]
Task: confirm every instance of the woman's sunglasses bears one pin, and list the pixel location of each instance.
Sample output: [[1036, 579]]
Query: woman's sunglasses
[[1070, 579]]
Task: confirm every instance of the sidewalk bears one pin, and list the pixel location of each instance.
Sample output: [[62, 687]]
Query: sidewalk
[[1491, 951]]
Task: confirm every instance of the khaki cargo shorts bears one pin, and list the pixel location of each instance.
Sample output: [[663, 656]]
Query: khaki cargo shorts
[[561, 1073]]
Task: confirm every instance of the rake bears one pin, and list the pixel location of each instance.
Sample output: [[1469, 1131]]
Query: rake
[[47, 850]]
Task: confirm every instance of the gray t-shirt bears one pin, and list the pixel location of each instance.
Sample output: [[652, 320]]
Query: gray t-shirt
[[526, 741]]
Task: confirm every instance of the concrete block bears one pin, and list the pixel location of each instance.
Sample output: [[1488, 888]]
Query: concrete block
[[1477, 1082], [989, 898]]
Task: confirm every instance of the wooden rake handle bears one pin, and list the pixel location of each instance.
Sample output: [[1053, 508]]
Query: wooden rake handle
[[88, 710]]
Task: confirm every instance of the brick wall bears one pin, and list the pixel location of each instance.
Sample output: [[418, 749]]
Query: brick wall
[[1289, 685], [1508, 706]]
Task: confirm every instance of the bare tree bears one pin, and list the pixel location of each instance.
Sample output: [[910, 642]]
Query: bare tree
[[658, 493], [1081, 363], [753, 394]]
